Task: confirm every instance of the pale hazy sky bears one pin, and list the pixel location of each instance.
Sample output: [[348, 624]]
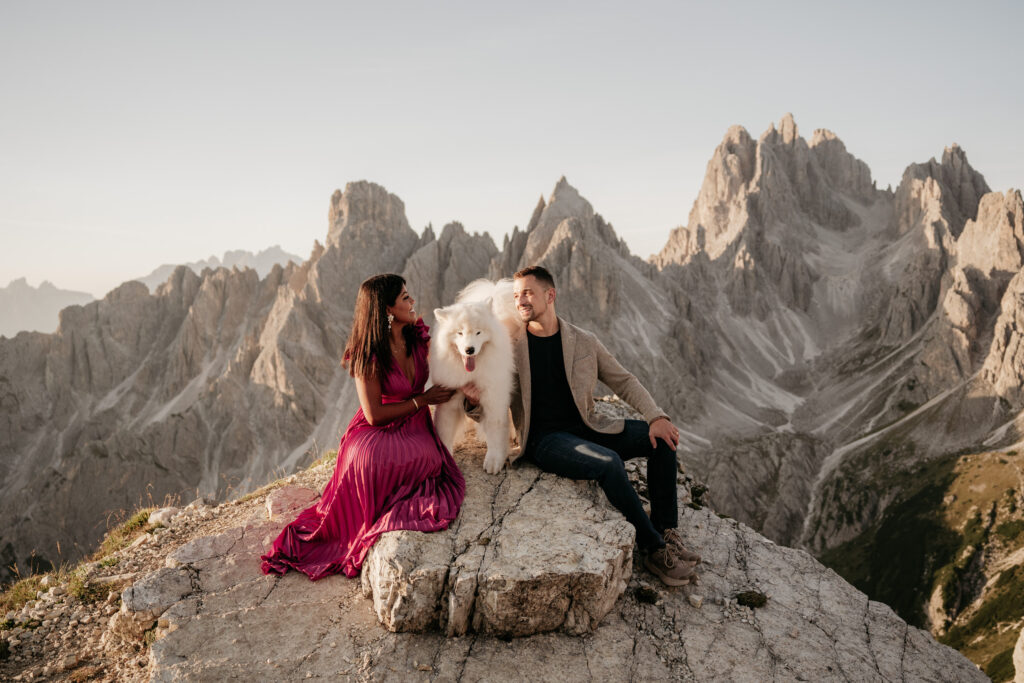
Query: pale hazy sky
[[139, 133]]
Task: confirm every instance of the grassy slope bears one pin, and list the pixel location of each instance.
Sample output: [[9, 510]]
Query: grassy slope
[[956, 517]]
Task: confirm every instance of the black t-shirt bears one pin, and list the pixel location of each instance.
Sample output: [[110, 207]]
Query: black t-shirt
[[552, 408]]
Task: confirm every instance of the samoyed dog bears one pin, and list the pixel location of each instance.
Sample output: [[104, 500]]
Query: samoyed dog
[[472, 343]]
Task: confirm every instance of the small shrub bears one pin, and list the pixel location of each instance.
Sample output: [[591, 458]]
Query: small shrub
[[149, 637], [697, 493], [6, 624], [109, 561], [753, 599], [83, 590], [647, 595]]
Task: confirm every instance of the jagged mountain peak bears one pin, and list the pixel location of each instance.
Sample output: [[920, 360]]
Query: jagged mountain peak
[[993, 242], [779, 180], [365, 205], [566, 201], [952, 184], [787, 133], [452, 230]]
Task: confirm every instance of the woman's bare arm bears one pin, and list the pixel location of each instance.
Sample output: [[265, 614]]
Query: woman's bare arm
[[377, 413]]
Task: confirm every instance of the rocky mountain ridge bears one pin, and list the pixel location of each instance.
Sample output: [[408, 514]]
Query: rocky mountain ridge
[[24, 307], [262, 262], [818, 340]]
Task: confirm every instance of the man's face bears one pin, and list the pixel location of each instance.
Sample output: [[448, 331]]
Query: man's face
[[531, 298]]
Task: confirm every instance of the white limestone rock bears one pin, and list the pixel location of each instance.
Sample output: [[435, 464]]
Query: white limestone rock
[[163, 515], [530, 553]]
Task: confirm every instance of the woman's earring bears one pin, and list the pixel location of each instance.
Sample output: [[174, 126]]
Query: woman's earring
[[391, 319]]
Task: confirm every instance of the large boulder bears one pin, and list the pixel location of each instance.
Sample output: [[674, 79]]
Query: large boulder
[[530, 553]]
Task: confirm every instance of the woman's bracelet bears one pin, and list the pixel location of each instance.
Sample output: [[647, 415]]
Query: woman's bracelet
[[415, 404]]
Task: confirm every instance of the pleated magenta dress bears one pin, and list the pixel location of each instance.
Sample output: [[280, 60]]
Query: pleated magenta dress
[[388, 477]]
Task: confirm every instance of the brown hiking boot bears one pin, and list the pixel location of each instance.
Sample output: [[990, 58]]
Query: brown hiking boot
[[663, 564], [675, 544]]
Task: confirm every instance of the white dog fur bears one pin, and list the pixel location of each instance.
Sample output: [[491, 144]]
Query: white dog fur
[[472, 343]]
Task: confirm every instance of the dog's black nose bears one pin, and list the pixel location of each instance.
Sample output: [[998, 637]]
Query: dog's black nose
[[469, 351]]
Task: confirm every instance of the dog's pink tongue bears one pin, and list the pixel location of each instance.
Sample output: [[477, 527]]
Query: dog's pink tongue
[[470, 363]]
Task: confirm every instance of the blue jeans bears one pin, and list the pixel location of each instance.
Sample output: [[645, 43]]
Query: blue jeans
[[586, 454]]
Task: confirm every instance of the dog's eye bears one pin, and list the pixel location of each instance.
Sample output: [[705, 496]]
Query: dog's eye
[[458, 334], [478, 333]]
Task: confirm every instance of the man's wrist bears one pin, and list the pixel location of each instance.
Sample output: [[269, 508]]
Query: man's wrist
[[660, 417]]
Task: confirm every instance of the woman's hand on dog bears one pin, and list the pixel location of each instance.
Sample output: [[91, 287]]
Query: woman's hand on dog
[[437, 394], [472, 393]]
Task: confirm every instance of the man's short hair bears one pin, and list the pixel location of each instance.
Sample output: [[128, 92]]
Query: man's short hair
[[539, 272]]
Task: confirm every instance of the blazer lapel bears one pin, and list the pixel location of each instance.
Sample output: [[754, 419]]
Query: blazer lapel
[[568, 353], [521, 354]]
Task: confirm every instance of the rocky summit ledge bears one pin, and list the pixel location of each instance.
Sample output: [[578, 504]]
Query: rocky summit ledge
[[198, 608], [217, 617]]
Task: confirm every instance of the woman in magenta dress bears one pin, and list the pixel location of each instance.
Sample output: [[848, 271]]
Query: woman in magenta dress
[[392, 471]]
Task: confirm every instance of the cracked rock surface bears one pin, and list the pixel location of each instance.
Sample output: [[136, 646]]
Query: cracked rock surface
[[530, 552], [814, 626]]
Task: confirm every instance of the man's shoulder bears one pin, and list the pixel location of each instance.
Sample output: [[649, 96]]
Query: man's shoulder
[[580, 333], [575, 329]]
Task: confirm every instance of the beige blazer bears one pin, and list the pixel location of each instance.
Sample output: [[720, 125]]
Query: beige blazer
[[586, 362]]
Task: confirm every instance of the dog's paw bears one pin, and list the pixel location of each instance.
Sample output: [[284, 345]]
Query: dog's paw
[[493, 462]]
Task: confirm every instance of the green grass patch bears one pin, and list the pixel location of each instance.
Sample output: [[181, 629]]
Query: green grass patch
[[262, 491], [149, 637], [1000, 667], [19, 593], [1009, 531], [80, 588], [898, 560], [328, 456], [1005, 604], [120, 536]]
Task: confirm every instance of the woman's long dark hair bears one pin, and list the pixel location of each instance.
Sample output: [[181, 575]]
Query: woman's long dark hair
[[368, 350]]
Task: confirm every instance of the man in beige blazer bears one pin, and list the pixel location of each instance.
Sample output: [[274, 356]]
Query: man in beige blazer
[[559, 366]]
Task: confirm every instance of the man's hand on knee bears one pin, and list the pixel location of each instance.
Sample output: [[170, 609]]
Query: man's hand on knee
[[663, 429]]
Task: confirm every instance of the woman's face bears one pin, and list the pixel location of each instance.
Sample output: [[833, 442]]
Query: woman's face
[[403, 308]]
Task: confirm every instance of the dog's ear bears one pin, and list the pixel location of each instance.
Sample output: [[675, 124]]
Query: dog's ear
[[487, 302], [440, 314]]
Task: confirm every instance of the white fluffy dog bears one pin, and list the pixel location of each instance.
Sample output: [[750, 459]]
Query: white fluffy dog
[[471, 343]]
